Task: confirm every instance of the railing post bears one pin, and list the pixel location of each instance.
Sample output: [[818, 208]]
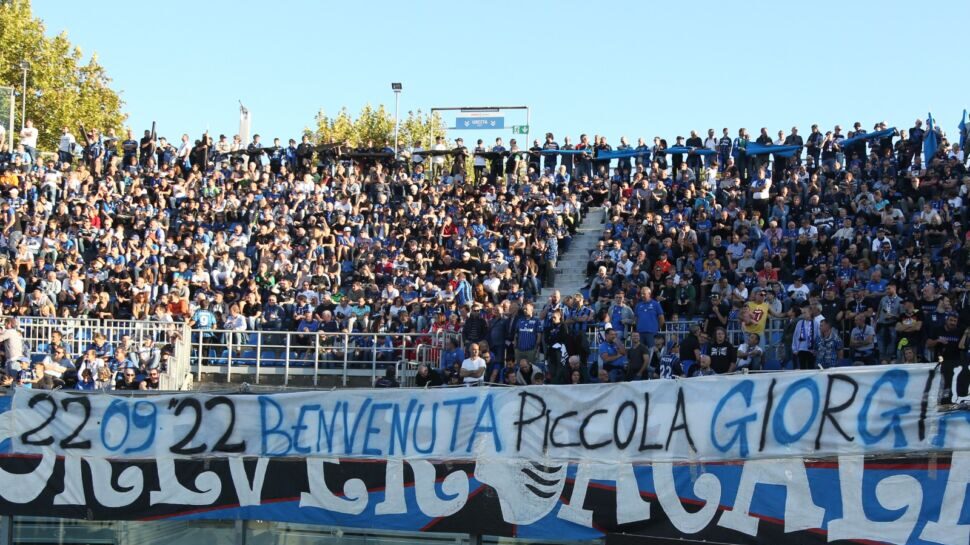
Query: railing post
[[232, 338], [373, 359], [346, 350], [286, 361], [259, 352], [316, 357]]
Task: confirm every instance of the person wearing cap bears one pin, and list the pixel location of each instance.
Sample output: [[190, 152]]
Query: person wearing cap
[[26, 376]]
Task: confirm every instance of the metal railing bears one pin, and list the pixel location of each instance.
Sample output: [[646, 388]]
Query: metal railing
[[205, 355], [341, 355], [774, 349], [78, 335]]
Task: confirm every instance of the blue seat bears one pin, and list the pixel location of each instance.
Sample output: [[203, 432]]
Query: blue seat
[[37, 358], [772, 365]]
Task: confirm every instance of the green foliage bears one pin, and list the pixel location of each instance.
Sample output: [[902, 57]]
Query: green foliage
[[62, 90], [376, 126]]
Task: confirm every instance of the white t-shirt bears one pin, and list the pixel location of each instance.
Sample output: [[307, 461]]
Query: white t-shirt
[[473, 365], [28, 136], [66, 143]]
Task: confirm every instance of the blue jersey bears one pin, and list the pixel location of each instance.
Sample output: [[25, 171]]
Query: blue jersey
[[527, 333], [608, 348], [648, 316], [204, 319], [669, 366]]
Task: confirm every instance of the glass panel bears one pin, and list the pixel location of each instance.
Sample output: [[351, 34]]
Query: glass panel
[[49, 531], [279, 533]]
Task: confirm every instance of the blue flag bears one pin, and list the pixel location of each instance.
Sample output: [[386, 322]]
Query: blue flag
[[781, 151], [930, 141], [685, 149], [870, 136], [963, 129]]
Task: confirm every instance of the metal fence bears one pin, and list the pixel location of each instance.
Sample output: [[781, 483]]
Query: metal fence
[[343, 358], [78, 335], [774, 348], [289, 354]]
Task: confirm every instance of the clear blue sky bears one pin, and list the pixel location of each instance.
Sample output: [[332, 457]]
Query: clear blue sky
[[634, 68]]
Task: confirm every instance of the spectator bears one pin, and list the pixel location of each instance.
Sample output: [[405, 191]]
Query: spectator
[[427, 377], [473, 367], [151, 381]]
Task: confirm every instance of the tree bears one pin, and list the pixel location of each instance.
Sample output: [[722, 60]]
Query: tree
[[376, 125], [62, 89]]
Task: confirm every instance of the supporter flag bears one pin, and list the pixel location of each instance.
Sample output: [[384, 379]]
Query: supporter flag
[[780, 151], [870, 136], [930, 141], [963, 129], [685, 149]]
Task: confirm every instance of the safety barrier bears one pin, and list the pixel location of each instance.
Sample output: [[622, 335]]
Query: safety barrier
[[361, 357], [774, 348], [344, 356], [78, 335]]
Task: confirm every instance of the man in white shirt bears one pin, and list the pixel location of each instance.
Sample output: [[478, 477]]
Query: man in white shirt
[[710, 143], [438, 161], [473, 367], [28, 139], [65, 146]]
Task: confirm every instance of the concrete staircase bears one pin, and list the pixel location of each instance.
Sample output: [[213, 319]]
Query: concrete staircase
[[571, 269]]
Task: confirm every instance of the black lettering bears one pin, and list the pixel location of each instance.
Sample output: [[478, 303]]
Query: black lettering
[[828, 413], [555, 424], [680, 410], [85, 403], [643, 431], [34, 401], [522, 421], [582, 431], [616, 424], [181, 446], [223, 445], [924, 405], [767, 416]]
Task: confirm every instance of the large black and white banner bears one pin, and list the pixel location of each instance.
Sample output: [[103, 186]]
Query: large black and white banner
[[891, 410], [801, 457]]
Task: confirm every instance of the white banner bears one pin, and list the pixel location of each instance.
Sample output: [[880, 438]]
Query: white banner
[[855, 411]]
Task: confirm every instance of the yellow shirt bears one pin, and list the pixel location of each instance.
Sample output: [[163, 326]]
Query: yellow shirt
[[759, 313]]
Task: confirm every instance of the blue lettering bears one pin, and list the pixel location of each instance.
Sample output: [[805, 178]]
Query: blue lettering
[[782, 435], [940, 440], [324, 430], [371, 430], [489, 409], [266, 402], [118, 407], [897, 378], [454, 427], [745, 389], [350, 436], [399, 430], [299, 427], [434, 428]]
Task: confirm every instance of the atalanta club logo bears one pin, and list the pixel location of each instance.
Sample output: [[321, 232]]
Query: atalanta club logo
[[527, 491]]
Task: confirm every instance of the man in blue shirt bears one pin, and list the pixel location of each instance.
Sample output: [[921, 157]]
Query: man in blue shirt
[[528, 335], [650, 317], [612, 355], [452, 354]]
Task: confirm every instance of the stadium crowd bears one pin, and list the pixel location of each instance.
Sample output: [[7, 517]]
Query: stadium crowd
[[716, 255]]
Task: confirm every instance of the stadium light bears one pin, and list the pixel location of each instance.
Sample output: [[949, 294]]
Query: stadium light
[[396, 87], [25, 66]]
